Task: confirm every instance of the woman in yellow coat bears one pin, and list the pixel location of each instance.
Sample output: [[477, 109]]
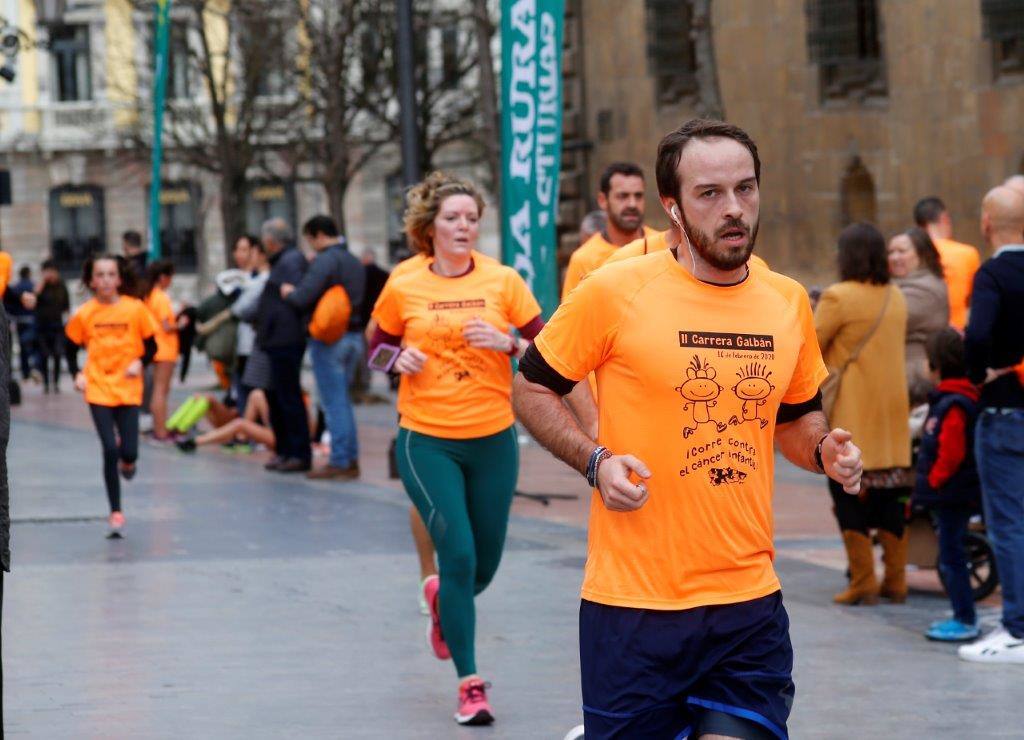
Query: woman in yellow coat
[[861, 325]]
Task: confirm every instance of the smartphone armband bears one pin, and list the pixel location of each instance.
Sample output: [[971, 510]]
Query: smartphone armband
[[384, 357]]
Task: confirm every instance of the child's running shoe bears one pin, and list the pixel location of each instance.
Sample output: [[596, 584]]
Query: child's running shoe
[[473, 706], [127, 470], [952, 630], [116, 523], [431, 587]]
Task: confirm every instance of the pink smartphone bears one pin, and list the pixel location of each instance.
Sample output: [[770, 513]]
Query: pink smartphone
[[384, 357]]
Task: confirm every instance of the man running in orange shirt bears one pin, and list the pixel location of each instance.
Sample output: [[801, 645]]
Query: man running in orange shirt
[[622, 198], [959, 261], [704, 366]]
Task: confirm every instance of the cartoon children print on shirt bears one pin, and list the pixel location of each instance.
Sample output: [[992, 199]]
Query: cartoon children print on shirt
[[448, 345], [701, 393], [753, 389]]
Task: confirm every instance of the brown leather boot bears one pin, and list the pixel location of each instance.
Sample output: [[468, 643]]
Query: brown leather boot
[[863, 588], [894, 555]]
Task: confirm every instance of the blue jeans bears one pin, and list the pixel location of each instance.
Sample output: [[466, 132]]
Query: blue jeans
[[999, 449], [334, 366], [953, 561]]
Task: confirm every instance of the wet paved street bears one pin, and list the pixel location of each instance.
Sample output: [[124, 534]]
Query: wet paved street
[[247, 605]]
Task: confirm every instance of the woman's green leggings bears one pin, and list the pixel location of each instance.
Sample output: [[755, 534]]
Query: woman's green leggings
[[463, 490]]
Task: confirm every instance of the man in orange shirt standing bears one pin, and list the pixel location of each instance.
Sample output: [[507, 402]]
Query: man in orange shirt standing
[[622, 199], [959, 261], [703, 367]]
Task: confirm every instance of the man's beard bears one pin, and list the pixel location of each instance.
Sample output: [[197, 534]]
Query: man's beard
[[727, 258], [619, 220]]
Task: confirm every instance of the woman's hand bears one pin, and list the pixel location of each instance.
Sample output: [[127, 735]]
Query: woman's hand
[[133, 370], [478, 333], [80, 382], [410, 362]]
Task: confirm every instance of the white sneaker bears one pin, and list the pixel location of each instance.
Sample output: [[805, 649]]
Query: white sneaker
[[999, 646], [424, 608], [145, 423]]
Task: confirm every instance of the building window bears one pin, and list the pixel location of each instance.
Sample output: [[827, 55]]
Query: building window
[[370, 50], [77, 226], [844, 39], [1003, 22], [179, 64], [670, 51], [178, 224], [269, 199], [69, 49], [450, 55]]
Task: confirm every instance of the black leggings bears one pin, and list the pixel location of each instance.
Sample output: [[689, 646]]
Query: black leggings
[[126, 421], [881, 508], [51, 345]]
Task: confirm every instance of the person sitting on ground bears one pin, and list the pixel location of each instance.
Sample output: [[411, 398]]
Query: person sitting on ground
[[947, 478], [253, 428]]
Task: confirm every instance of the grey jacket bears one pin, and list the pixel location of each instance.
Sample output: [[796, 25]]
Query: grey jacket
[[244, 309], [335, 265], [927, 313]]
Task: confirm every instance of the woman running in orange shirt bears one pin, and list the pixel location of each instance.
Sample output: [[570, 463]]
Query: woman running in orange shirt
[[158, 280], [116, 331], [457, 450]]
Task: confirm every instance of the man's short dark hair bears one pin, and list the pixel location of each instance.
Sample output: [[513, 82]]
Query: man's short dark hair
[[49, 264], [320, 224], [132, 237], [628, 169], [671, 149], [25, 272], [928, 210], [946, 353], [862, 255]]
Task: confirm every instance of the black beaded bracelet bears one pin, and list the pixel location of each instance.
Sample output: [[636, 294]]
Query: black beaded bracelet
[[596, 457], [817, 454]]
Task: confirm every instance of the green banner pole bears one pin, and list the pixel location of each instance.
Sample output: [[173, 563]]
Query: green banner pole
[[161, 35], [531, 137]]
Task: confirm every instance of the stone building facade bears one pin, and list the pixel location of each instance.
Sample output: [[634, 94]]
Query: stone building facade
[[859, 107]]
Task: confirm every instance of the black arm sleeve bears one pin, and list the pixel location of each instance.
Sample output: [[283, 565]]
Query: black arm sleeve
[[150, 350], [71, 355], [792, 411], [535, 368]]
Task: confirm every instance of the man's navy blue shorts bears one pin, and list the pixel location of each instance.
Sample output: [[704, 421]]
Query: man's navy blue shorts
[[674, 674]]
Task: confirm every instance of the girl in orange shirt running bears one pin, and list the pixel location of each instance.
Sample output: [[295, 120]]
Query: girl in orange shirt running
[[458, 455], [158, 280], [116, 331]]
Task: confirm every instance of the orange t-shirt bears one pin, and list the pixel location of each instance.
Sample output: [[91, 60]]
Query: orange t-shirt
[[655, 243], [959, 263], [6, 265], [159, 304], [690, 377], [589, 256], [462, 392], [113, 335]]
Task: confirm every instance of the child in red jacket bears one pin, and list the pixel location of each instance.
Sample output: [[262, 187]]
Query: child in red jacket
[[947, 479]]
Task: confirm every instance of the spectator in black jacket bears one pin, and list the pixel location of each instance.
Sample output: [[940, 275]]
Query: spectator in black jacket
[[281, 334], [21, 304], [995, 350], [334, 365]]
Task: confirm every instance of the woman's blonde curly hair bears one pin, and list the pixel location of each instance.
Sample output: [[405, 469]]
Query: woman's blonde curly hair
[[423, 201]]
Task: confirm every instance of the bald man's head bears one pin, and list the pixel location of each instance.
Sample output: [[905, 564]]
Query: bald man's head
[[1016, 182], [1002, 216]]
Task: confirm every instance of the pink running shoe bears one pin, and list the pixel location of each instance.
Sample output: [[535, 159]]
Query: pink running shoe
[[116, 522], [431, 587], [473, 706]]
